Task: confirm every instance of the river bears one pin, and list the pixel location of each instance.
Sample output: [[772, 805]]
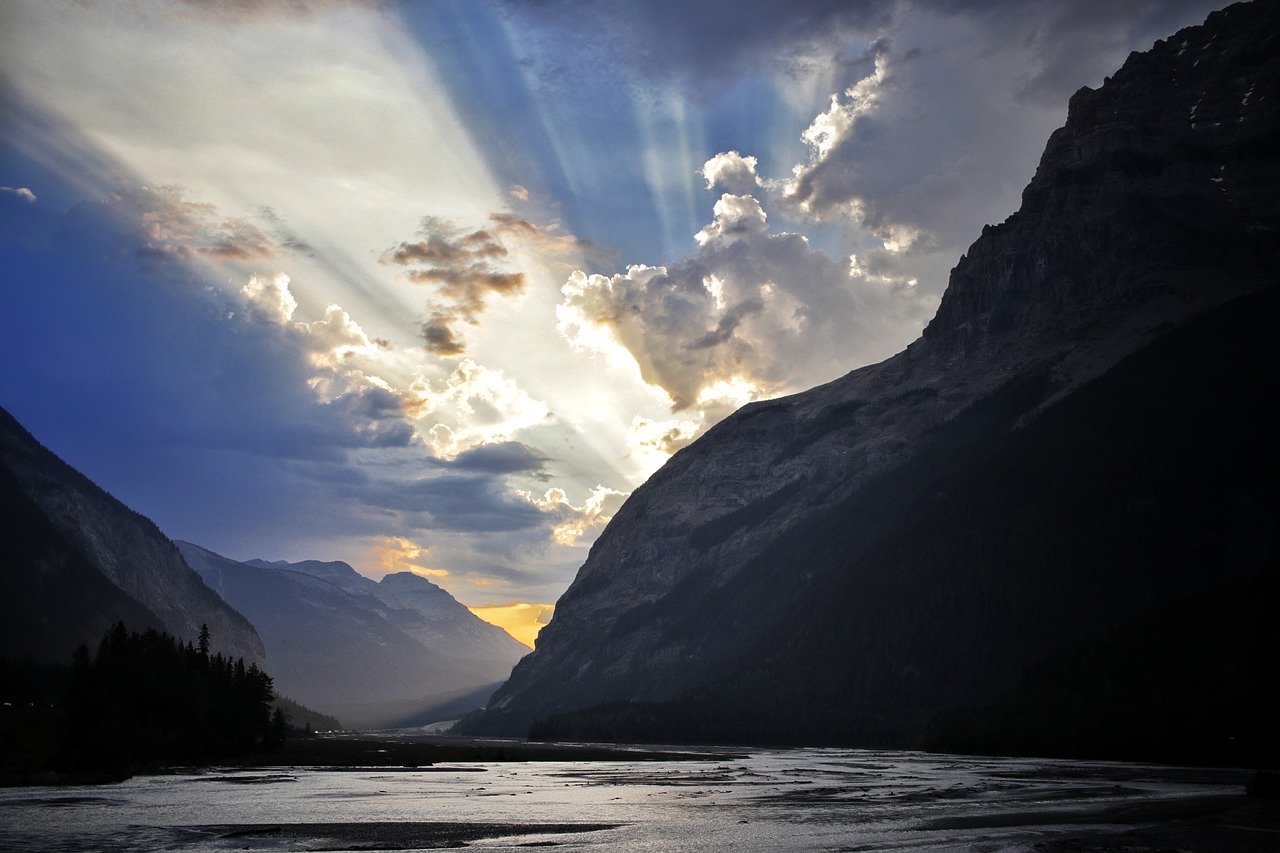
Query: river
[[801, 799]]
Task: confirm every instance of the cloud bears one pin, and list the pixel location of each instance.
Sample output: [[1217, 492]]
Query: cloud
[[173, 228], [942, 131], [574, 522], [270, 297], [464, 268], [661, 438], [736, 217], [21, 192], [703, 43], [474, 405], [247, 11], [439, 336], [508, 457], [732, 171], [394, 554], [750, 314], [472, 503]]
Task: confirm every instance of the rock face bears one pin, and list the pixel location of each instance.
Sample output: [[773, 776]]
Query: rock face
[[849, 560], [374, 654], [78, 560]]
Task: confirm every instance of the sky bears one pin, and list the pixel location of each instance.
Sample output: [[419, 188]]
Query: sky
[[433, 286]]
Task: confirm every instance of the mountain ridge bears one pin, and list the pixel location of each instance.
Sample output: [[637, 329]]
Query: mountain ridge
[[348, 646], [1132, 226], [89, 530]]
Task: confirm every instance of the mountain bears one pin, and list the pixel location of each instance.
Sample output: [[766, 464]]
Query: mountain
[[77, 561], [374, 654], [422, 610], [1080, 440]]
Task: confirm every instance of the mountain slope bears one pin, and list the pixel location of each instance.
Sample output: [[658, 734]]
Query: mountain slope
[[422, 610], [337, 640], [789, 559], [77, 561]]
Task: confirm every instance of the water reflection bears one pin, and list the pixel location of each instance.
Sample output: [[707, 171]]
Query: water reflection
[[782, 800]]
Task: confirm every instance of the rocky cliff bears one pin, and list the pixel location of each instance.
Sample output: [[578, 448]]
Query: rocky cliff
[[84, 552], [796, 556]]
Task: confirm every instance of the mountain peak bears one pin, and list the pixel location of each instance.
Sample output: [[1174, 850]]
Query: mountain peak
[[410, 582], [1139, 171]]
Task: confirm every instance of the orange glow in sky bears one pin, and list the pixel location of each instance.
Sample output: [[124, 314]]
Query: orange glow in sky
[[521, 620]]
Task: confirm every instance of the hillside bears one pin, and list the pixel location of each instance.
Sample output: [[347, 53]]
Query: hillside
[[78, 561]]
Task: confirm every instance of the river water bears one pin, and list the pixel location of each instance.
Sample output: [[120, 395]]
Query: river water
[[804, 799]]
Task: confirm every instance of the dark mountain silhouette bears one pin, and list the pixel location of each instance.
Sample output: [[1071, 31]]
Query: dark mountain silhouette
[[77, 561], [1074, 462], [374, 654]]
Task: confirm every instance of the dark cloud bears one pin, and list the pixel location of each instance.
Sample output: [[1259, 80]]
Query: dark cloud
[[940, 135], [707, 40], [438, 336], [457, 502], [508, 457], [461, 267], [377, 417]]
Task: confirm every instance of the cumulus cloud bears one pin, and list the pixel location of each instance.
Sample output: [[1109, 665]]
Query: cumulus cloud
[[574, 522], [270, 296], [474, 405], [736, 217], [749, 315], [731, 170]]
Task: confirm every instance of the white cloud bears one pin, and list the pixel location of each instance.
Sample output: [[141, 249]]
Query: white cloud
[[270, 296], [749, 315], [574, 522], [736, 217], [474, 405], [732, 171], [21, 192], [653, 440]]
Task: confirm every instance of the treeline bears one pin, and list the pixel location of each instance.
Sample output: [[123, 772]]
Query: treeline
[[143, 699]]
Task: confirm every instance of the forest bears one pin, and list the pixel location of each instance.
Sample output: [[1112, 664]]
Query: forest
[[144, 699]]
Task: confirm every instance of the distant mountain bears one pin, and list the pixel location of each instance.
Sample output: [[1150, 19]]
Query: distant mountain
[[397, 652], [1081, 440], [76, 561]]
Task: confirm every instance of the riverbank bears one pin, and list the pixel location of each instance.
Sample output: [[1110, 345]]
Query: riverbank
[[399, 748]]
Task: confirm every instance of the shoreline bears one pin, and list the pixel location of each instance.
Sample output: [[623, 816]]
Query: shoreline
[[386, 750]]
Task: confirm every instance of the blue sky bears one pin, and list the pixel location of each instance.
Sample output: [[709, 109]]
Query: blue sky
[[432, 286]]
